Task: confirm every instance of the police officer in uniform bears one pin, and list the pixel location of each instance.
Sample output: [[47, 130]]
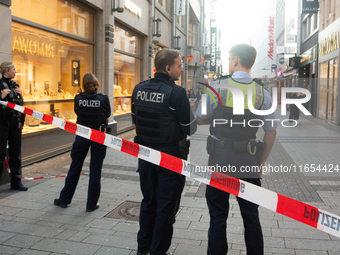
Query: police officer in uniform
[[232, 142], [11, 122], [163, 117], [92, 111]]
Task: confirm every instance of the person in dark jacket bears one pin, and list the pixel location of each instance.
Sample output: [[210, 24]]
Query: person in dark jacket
[[11, 123], [163, 118], [92, 111]]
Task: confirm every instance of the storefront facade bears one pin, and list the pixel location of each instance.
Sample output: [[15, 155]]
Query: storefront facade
[[308, 76], [328, 91], [53, 43]]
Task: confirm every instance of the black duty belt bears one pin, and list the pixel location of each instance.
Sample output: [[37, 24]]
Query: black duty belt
[[223, 144]]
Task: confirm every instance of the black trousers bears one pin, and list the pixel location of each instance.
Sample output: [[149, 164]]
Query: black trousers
[[294, 112], [161, 189], [79, 151], [218, 204], [11, 132]]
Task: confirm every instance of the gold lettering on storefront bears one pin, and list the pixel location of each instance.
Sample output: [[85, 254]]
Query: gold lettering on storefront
[[33, 47], [329, 44]]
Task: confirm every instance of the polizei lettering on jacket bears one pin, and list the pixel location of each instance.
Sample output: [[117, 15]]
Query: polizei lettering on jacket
[[89, 103], [150, 96]]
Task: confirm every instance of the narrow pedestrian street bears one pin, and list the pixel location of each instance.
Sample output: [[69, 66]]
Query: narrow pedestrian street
[[31, 224]]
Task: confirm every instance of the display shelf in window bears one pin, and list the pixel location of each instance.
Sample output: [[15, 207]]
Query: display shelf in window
[[122, 105]]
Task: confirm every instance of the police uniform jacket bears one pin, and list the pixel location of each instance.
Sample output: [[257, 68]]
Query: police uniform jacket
[[13, 97], [161, 111], [92, 109]]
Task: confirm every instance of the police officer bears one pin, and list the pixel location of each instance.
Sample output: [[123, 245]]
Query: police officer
[[163, 117], [232, 142], [11, 123], [92, 111]]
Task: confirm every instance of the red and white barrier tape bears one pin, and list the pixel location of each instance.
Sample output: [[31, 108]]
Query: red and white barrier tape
[[310, 215], [45, 177], [7, 167]]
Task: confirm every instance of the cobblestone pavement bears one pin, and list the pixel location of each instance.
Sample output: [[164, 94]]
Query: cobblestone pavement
[[31, 224]]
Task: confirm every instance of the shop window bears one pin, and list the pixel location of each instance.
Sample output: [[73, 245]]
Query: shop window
[[50, 70], [165, 5], [127, 41], [328, 86], [192, 35], [127, 73], [127, 69], [180, 21], [59, 14], [310, 25]]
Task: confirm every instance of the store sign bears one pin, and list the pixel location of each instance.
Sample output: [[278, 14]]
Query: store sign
[[33, 47], [133, 8], [213, 49], [180, 7], [280, 49], [271, 38], [329, 44], [290, 38], [310, 6]]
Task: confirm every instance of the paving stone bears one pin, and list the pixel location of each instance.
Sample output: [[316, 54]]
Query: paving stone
[[303, 234], [190, 249], [65, 247], [111, 250], [306, 244], [111, 241], [23, 241], [31, 252], [29, 229], [4, 236]]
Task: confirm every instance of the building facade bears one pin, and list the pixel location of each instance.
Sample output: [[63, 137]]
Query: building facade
[[55, 42], [328, 54]]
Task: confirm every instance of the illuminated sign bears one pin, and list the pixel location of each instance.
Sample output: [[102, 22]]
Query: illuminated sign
[[329, 44], [133, 8], [33, 47]]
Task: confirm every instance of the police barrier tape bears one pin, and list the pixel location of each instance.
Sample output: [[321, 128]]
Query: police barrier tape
[[45, 177], [310, 215]]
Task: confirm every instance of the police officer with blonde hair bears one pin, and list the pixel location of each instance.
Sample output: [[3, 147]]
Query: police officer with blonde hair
[[232, 143], [11, 123], [92, 109]]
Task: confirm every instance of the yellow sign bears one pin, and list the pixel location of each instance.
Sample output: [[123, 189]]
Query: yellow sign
[[329, 44], [33, 47]]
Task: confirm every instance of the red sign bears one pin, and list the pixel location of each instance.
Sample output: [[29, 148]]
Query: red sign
[[271, 38]]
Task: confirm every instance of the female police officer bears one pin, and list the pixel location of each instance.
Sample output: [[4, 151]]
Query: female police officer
[[11, 124], [92, 111]]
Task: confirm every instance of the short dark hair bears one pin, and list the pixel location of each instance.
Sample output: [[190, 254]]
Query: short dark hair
[[90, 83], [246, 53], [165, 57]]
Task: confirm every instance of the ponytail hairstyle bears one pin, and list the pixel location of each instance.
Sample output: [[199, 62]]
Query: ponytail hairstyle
[[4, 66], [90, 83]]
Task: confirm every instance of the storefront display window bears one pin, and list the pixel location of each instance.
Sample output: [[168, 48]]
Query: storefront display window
[[127, 68], [328, 87], [50, 68]]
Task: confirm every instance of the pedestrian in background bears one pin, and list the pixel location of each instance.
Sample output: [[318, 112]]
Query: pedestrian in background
[[11, 122], [235, 145], [294, 111], [163, 118], [92, 109]]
